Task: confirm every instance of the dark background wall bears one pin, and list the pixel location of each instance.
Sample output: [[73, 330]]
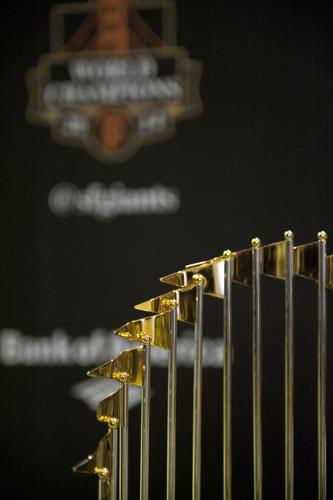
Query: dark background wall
[[255, 163]]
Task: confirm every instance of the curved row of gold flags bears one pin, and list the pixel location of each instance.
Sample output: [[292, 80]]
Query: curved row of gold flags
[[282, 260]]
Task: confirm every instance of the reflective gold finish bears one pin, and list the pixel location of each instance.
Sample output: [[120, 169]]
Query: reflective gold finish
[[123, 449], [329, 265], [274, 258], [212, 276], [154, 330], [187, 304], [105, 466], [322, 236], [104, 457], [145, 426], [272, 263], [242, 267], [160, 331], [227, 379], [184, 299], [256, 369], [281, 260], [101, 463], [111, 409], [321, 368], [197, 388], [127, 367], [289, 366], [172, 393], [307, 263], [211, 270]]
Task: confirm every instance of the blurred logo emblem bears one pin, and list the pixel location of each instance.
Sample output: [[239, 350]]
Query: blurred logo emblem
[[114, 79]]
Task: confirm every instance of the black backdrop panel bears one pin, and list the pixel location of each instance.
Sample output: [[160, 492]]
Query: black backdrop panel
[[256, 162]]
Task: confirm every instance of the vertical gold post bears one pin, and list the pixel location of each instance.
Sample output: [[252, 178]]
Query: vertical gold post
[[197, 391], [321, 356], [289, 366], [256, 370], [172, 392], [100, 489], [227, 381], [145, 417], [105, 491], [123, 475], [114, 471]]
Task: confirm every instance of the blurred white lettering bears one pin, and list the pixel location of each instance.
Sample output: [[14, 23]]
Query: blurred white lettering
[[106, 203], [61, 349]]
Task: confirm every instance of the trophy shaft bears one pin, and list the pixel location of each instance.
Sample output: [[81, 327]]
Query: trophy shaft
[[145, 422], [227, 382], [172, 392], [256, 370], [123, 476], [197, 394], [321, 375], [289, 366]]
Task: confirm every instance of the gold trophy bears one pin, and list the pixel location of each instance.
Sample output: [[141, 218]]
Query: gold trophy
[[214, 277]]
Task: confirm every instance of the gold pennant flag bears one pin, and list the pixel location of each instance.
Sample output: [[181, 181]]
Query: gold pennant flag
[[104, 457], [111, 409], [184, 299], [154, 330], [127, 367], [212, 271], [100, 462]]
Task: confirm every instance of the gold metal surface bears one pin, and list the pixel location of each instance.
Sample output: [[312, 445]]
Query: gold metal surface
[[227, 378], [127, 367], [281, 260], [171, 417], [105, 466], [154, 330], [321, 368], [307, 262], [87, 466], [329, 266], [242, 267], [123, 449], [183, 299], [145, 426], [272, 263], [100, 462], [111, 409], [212, 271], [256, 369], [273, 260], [289, 366], [197, 389], [186, 304], [104, 457]]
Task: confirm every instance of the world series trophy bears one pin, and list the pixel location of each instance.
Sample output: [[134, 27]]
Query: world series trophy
[[214, 277]]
